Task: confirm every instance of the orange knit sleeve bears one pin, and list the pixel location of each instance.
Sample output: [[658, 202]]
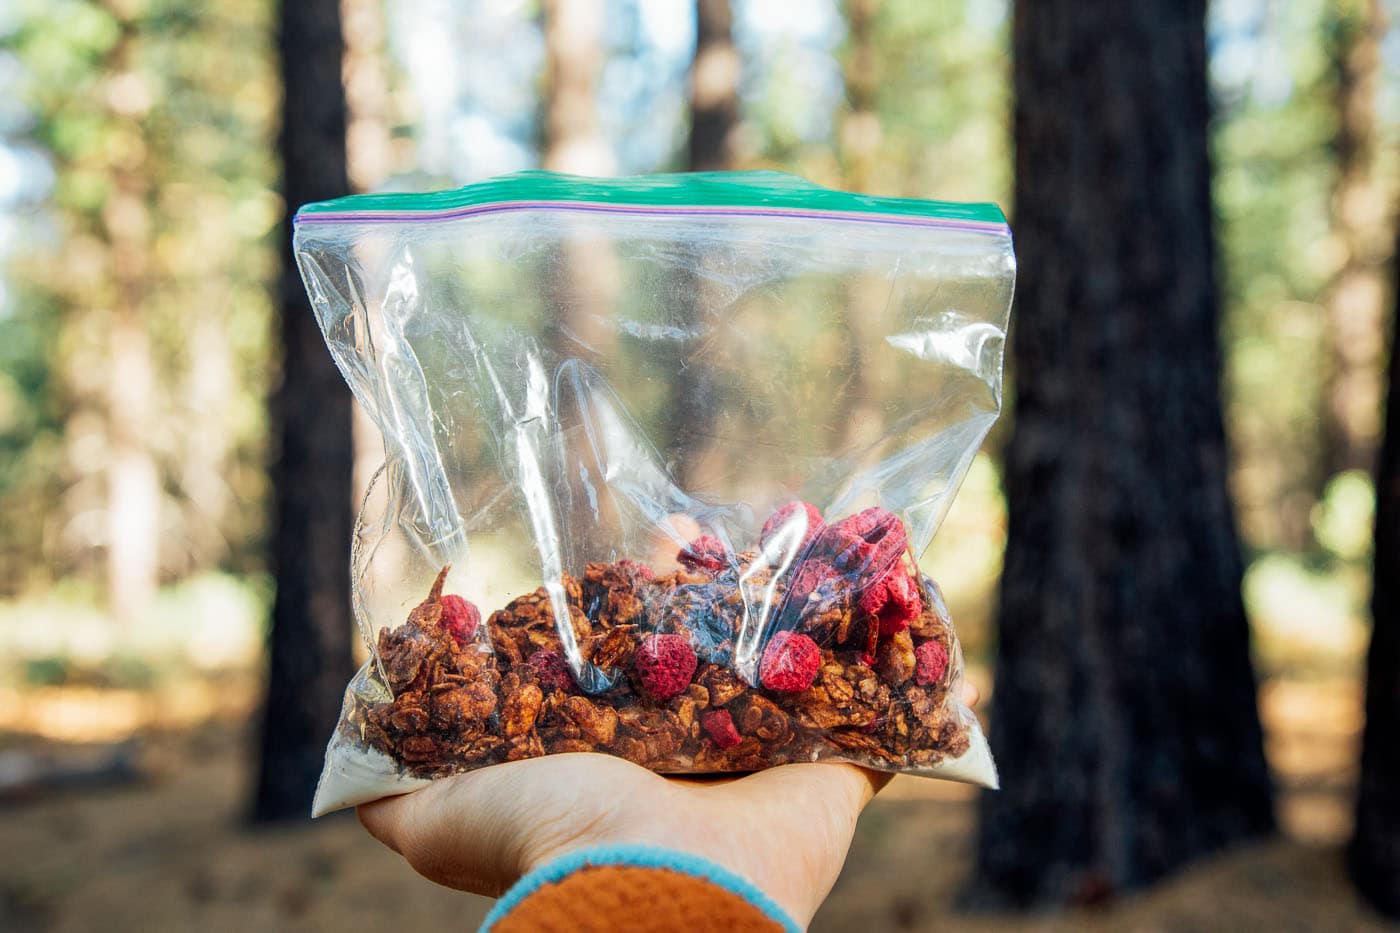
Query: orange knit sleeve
[[635, 889], [628, 899]]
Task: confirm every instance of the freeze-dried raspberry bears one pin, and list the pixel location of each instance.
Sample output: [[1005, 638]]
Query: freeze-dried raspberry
[[551, 668], [792, 513], [636, 569], [719, 726], [664, 665], [893, 600], [883, 534], [460, 618], [790, 663], [930, 663], [842, 548], [809, 575], [704, 553]]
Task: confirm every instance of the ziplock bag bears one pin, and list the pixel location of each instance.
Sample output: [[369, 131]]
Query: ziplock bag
[[662, 455]]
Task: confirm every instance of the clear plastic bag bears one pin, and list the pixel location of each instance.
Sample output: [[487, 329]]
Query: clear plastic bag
[[662, 454]]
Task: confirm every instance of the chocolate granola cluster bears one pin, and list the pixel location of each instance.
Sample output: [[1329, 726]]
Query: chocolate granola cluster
[[854, 665]]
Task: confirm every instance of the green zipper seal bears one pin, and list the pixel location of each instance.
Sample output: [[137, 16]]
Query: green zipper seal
[[760, 193]]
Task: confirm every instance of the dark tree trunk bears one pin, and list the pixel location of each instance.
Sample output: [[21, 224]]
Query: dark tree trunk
[[310, 659], [1124, 717], [1375, 847]]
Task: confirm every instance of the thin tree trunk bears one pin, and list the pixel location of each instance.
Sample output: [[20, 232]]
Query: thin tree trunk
[[573, 132], [210, 384], [1375, 846], [860, 125], [1351, 423], [714, 89], [310, 640], [133, 480], [714, 123], [584, 279], [1124, 718], [371, 157], [855, 422]]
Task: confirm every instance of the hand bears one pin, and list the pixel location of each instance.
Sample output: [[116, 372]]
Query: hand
[[786, 829]]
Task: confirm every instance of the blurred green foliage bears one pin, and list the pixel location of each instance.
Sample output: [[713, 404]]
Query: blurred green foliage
[[183, 96], [192, 108]]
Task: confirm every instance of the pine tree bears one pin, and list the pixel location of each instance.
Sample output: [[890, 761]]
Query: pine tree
[[1375, 846], [310, 660], [1124, 720]]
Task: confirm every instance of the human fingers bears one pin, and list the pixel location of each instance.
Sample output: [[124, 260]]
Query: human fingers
[[451, 832], [482, 830], [970, 694]]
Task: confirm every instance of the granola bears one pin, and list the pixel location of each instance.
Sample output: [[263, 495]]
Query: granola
[[844, 675]]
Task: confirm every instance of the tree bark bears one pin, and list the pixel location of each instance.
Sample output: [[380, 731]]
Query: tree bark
[[1375, 845], [1355, 297], [854, 421], [1124, 718], [714, 89], [710, 147], [133, 478], [310, 659], [584, 279], [860, 125], [573, 132]]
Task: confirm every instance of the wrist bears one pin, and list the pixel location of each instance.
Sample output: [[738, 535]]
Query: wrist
[[648, 856]]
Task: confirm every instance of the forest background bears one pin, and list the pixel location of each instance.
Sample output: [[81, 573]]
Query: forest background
[[142, 352]]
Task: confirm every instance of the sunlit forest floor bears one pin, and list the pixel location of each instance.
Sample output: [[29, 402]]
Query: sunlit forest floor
[[166, 850]]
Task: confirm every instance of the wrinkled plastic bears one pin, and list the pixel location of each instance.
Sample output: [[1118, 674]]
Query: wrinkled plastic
[[596, 375]]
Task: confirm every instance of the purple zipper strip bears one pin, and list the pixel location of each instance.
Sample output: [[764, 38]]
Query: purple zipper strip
[[455, 213]]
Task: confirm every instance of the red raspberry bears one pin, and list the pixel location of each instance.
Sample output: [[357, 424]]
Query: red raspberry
[[719, 726], [460, 618], [841, 548], [704, 553], [867, 659], [883, 534], [809, 575], [551, 668], [790, 663], [635, 569], [930, 663], [893, 600], [665, 664], [793, 513]]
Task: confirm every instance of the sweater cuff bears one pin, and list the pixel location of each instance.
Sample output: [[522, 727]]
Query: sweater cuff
[[637, 856]]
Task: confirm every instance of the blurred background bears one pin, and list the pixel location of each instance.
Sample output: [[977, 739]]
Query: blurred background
[[174, 632]]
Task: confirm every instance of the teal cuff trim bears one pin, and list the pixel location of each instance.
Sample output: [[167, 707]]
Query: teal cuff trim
[[641, 857]]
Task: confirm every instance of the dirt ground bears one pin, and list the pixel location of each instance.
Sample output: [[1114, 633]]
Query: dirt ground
[[168, 852]]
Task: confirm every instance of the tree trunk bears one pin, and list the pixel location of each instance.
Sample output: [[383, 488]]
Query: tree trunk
[[573, 132], [855, 422], [1375, 846], [714, 89], [310, 638], [1124, 718], [371, 156], [1355, 330], [860, 125], [133, 479], [584, 279], [211, 386], [714, 124]]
